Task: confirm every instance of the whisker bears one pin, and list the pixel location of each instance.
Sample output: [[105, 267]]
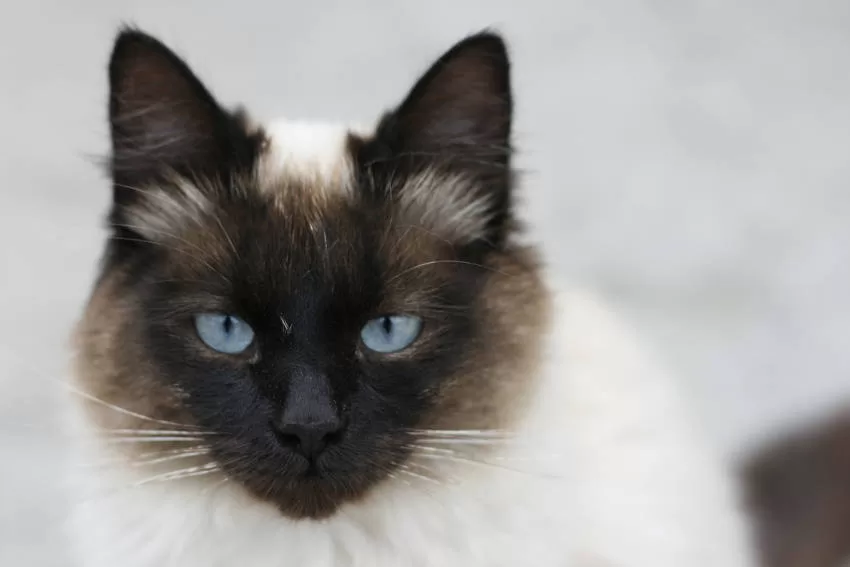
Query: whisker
[[466, 441], [395, 476], [169, 452], [428, 474], [145, 456], [432, 471], [215, 486], [121, 410], [457, 458], [436, 450], [447, 451], [165, 459], [429, 478], [163, 439], [433, 262], [180, 474], [462, 433], [444, 446], [406, 470], [157, 432], [200, 470]]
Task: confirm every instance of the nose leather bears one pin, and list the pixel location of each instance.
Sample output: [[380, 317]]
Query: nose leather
[[309, 418]]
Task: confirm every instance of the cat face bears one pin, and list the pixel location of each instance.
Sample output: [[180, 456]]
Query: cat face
[[312, 299]]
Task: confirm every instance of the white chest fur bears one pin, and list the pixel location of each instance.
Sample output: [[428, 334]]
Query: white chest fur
[[608, 472]]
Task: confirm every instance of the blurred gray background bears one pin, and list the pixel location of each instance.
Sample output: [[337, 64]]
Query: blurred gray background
[[689, 158]]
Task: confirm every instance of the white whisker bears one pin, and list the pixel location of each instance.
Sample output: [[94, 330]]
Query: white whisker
[[436, 450], [467, 460], [124, 411], [144, 456], [161, 439], [405, 470], [432, 472], [462, 433], [215, 486], [461, 454], [156, 432], [433, 262], [180, 474], [394, 476], [185, 455], [465, 441]]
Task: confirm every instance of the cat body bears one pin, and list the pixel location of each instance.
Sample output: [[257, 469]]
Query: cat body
[[523, 425]]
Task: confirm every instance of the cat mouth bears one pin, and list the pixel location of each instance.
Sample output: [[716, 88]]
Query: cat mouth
[[307, 459], [303, 487], [310, 495]]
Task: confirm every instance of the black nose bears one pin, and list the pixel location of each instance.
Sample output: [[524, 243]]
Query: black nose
[[308, 420], [308, 439]]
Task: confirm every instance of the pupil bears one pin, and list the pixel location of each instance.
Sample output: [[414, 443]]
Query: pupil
[[228, 325], [387, 325]]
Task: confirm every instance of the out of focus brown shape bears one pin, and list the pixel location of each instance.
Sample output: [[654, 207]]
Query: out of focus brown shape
[[798, 490]]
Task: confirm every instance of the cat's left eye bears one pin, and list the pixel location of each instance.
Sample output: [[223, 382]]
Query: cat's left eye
[[391, 333], [223, 332]]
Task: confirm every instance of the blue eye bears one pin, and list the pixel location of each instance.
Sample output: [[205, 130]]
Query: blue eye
[[224, 333], [391, 333]]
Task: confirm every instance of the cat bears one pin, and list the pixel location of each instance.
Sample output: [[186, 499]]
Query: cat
[[313, 345]]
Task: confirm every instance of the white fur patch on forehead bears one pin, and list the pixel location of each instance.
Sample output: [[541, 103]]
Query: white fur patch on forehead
[[315, 155], [162, 211], [449, 204]]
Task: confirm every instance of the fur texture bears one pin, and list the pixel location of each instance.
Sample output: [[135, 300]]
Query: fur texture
[[524, 426], [607, 471]]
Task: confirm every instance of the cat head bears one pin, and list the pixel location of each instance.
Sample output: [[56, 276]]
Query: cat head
[[312, 302]]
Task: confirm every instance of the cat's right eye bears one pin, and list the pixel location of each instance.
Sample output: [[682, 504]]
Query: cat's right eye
[[224, 333]]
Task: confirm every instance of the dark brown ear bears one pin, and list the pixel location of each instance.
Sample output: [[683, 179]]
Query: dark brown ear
[[163, 119], [463, 102], [458, 116]]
